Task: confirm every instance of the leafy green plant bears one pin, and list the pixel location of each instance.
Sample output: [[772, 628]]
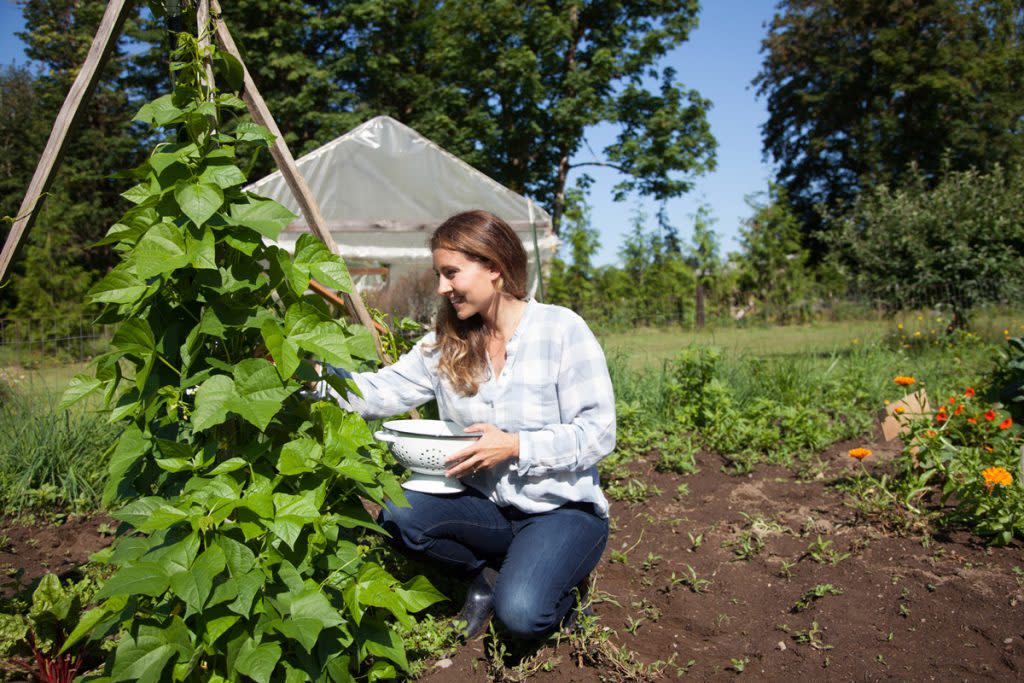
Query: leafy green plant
[[32, 643], [821, 551], [241, 548], [814, 594]]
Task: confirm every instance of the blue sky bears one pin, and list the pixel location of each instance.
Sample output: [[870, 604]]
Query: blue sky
[[720, 60]]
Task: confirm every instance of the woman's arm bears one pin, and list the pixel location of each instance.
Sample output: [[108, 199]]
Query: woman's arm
[[586, 400], [392, 390]]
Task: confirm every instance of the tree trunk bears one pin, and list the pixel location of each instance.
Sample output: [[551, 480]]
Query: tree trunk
[[700, 307]]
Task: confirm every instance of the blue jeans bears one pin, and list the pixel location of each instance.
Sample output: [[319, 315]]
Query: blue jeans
[[542, 557]]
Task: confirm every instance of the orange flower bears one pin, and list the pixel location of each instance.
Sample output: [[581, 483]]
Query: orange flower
[[1005, 424], [940, 417], [930, 432], [903, 380], [968, 392], [952, 400], [899, 409], [859, 453], [996, 476], [959, 409], [972, 420], [990, 415]]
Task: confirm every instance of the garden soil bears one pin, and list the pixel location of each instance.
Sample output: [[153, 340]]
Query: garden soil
[[899, 604]]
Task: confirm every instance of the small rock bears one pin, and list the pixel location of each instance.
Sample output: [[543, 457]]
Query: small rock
[[1007, 641], [443, 663], [781, 646]]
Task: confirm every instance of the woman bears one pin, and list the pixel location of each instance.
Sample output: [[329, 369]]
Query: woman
[[532, 378]]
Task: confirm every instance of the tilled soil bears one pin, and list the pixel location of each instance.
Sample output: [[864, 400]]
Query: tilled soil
[[905, 606], [910, 607]]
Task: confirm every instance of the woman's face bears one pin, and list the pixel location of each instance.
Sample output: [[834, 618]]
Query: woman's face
[[468, 284]]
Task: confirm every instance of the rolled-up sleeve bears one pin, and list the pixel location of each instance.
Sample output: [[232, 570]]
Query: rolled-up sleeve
[[394, 389], [586, 402]]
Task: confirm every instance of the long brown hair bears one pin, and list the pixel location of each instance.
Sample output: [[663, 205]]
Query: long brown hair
[[483, 237]]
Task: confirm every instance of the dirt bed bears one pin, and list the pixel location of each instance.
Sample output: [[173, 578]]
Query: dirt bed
[[904, 607], [877, 604]]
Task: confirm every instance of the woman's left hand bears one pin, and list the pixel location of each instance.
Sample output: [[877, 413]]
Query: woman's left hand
[[494, 447]]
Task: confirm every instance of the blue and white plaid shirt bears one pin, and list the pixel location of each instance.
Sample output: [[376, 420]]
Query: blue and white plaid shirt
[[554, 391]]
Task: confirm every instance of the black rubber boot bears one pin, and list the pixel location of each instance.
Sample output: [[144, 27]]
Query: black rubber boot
[[476, 612]]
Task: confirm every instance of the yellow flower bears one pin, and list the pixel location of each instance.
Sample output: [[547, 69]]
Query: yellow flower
[[900, 326], [903, 380], [996, 476], [859, 453], [898, 409]]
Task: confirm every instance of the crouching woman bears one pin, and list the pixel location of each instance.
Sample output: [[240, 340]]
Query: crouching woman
[[532, 378]]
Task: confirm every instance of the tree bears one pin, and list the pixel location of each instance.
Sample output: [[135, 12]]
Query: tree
[[773, 263], [703, 258], [956, 245], [858, 90], [58, 265], [571, 283]]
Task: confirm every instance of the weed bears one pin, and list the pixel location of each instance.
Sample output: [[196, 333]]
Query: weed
[[738, 665], [690, 579], [814, 594], [786, 569], [745, 546], [812, 637], [695, 541], [651, 562], [631, 491], [822, 552], [682, 490], [633, 624]]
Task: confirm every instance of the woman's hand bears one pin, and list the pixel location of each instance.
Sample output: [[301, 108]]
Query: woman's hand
[[494, 447]]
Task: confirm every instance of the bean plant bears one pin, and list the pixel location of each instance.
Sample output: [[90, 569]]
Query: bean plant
[[241, 552]]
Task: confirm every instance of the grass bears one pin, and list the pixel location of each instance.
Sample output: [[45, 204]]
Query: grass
[[50, 460]]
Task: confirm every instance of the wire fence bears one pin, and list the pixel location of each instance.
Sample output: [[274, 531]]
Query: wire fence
[[33, 342]]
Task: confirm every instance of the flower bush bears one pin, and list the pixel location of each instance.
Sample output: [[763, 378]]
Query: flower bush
[[970, 448]]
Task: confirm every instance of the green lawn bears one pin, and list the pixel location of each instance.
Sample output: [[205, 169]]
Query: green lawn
[[651, 347]]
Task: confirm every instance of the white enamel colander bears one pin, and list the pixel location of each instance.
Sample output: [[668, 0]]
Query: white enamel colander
[[421, 447]]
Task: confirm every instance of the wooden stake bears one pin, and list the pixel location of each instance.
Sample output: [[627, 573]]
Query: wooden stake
[[286, 163], [70, 112]]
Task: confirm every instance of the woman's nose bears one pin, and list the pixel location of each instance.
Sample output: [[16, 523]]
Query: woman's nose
[[443, 285]]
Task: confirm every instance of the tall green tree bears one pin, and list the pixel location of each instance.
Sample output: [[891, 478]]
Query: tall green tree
[[57, 264], [773, 262], [857, 90], [704, 259]]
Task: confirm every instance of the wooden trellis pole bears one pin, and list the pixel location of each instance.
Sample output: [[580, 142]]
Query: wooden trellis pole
[[74, 104], [286, 163]]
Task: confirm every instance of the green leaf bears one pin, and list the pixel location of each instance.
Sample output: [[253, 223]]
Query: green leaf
[[260, 393], [160, 111], [162, 517], [307, 328], [88, 621], [381, 641], [299, 456], [258, 660], [135, 337], [265, 216], [79, 387], [246, 131], [285, 353], [213, 401], [194, 586], [161, 250], [217, 627], [229, 465], [143, 578], [198, 201], [141, 661], [202, 251], [249, 585], [138, 193], [418, 593], [314, 258], [130, 446], [239, 557], [223, 175], [119, 286]]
